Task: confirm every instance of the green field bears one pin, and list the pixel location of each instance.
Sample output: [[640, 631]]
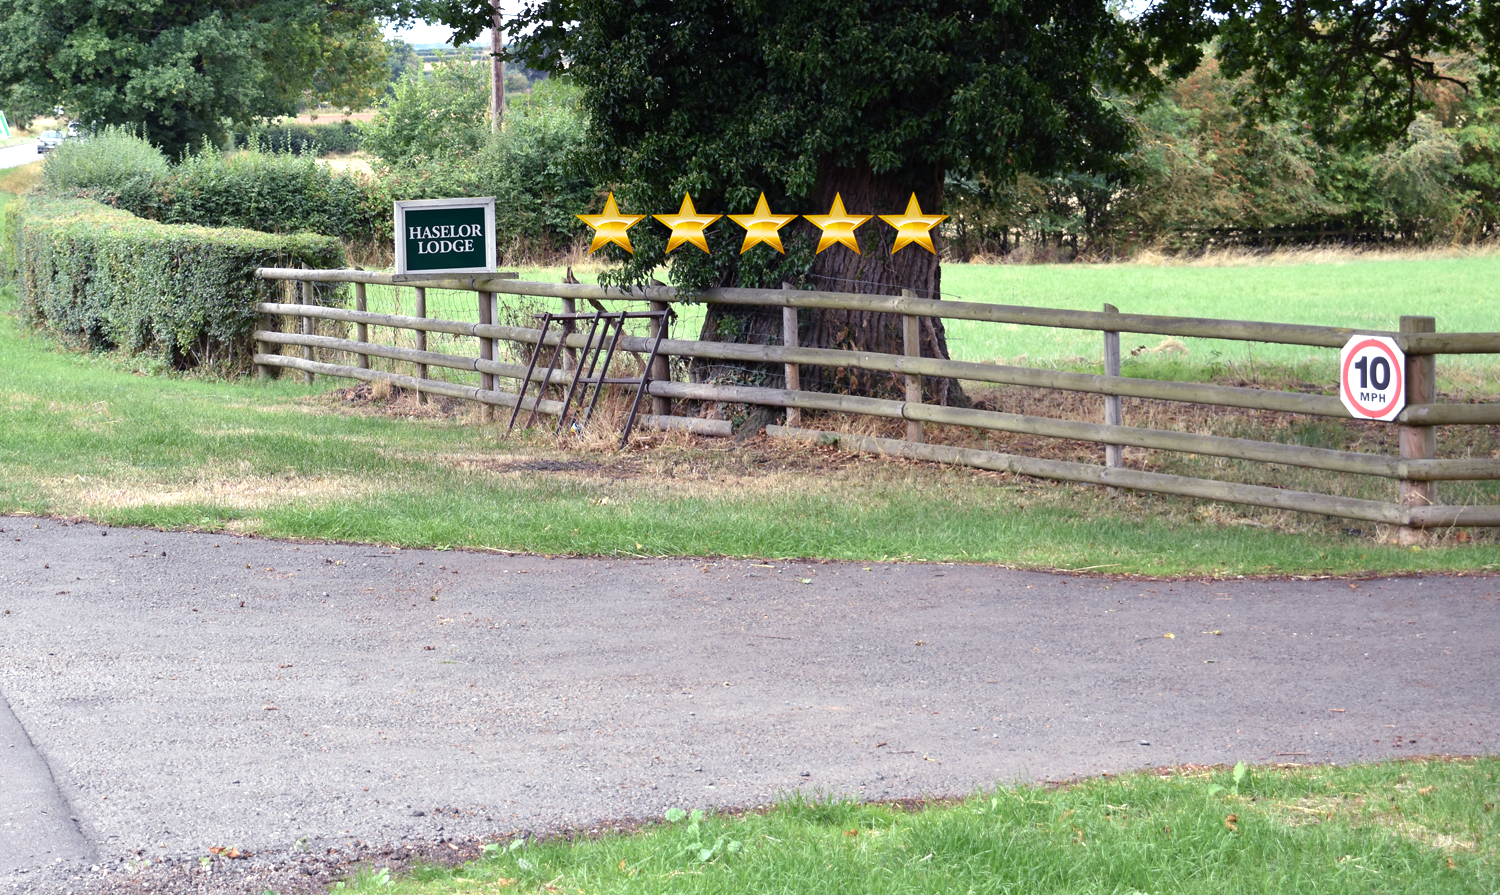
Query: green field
[[1425, 826]]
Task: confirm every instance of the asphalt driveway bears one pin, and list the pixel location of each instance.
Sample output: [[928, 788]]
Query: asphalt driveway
[[169, 693]]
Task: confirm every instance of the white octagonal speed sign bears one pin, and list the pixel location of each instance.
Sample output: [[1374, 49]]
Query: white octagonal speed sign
[[1372, 377]]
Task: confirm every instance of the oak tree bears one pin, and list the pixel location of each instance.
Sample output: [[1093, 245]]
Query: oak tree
[[874, 101]]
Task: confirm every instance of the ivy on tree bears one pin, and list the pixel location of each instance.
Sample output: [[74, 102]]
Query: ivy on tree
[[180, 69]]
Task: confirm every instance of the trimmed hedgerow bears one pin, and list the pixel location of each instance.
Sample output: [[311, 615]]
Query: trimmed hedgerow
[[100, 278], [272, 192]]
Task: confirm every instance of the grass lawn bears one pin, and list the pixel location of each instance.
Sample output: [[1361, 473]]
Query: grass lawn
[[1418, 826], [86, 435]]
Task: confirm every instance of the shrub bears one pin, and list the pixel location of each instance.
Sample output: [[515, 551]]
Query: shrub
[[114, 164], [101, 278], [432, 117], [276, 192], [300, 139], [532, 168]]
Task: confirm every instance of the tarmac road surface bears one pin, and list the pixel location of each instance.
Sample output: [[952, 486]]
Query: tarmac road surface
[[173, 692], [19, 154]]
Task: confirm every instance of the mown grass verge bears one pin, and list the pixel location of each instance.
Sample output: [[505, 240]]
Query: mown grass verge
[[81, 435], [1416, 826]]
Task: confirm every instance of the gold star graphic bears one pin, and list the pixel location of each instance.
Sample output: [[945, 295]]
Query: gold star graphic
[[610, 226], [687, 225], [838, 225], [761, 226], [914, 226]]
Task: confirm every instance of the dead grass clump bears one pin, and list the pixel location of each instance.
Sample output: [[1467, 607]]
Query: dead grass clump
[[20, 179], [94, 497]]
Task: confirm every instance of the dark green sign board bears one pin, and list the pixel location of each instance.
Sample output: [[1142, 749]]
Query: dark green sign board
[[445, 236]]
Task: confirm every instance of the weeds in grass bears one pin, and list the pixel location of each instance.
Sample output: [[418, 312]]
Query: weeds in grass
[[1427, 826]]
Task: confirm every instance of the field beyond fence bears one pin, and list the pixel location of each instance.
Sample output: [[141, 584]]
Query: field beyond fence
[[1287, 469]]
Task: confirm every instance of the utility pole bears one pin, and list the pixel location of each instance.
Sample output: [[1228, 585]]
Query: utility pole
[[497, 70]]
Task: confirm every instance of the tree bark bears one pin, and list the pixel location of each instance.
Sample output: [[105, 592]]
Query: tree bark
[[871, 271]]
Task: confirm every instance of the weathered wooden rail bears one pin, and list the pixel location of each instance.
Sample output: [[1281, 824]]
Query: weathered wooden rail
[[1417, 468]]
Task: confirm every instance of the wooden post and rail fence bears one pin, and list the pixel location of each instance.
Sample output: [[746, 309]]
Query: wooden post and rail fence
[[1417, 469]]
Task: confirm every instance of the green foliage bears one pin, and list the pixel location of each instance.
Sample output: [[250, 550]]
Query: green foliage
[[101, 278], [729, 101], [297, 138], [533, 168], [1204, 171], [115, 164], [255, 189], [182, 69], [275, 192], [428, 118]]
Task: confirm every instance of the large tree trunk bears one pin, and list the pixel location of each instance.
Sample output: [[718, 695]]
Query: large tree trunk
[[873, 271]]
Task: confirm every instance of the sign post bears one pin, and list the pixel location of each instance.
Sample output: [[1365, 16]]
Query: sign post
[[445, 236], [1372, 377]]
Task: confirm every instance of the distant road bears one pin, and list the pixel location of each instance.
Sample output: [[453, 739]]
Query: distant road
[[20, 154]]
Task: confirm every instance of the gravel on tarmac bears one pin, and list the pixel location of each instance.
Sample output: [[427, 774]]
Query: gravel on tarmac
[[316, 706]]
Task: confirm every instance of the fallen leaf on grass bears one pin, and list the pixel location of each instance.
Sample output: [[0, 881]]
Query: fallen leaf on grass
[[1232, 822], [1425, 790]]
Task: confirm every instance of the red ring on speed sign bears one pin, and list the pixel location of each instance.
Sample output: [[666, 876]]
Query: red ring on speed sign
[[1397, 372]]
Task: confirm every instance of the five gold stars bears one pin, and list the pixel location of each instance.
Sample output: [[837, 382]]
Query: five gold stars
[[687, 225], [761, 226], [914, 226], [610, 226], [838, 226]]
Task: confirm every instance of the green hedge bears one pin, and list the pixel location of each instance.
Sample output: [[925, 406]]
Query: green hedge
[[101, 278]]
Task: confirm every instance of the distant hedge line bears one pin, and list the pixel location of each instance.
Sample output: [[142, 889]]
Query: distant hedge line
[[101, 278]]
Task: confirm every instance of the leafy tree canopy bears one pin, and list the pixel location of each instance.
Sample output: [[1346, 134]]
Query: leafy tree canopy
[[181, 69], [1357, 71]]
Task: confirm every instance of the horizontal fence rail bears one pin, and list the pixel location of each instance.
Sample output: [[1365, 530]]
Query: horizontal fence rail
[[1416, 469], [1200, 327]]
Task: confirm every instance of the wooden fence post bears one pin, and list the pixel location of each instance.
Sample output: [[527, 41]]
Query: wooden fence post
[[308, 326], [1114, 454], [789, 338], [361, 330], [421, 311], [661, 367], [486, 352], [570, 355], [1418, 442], [911, 343]]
